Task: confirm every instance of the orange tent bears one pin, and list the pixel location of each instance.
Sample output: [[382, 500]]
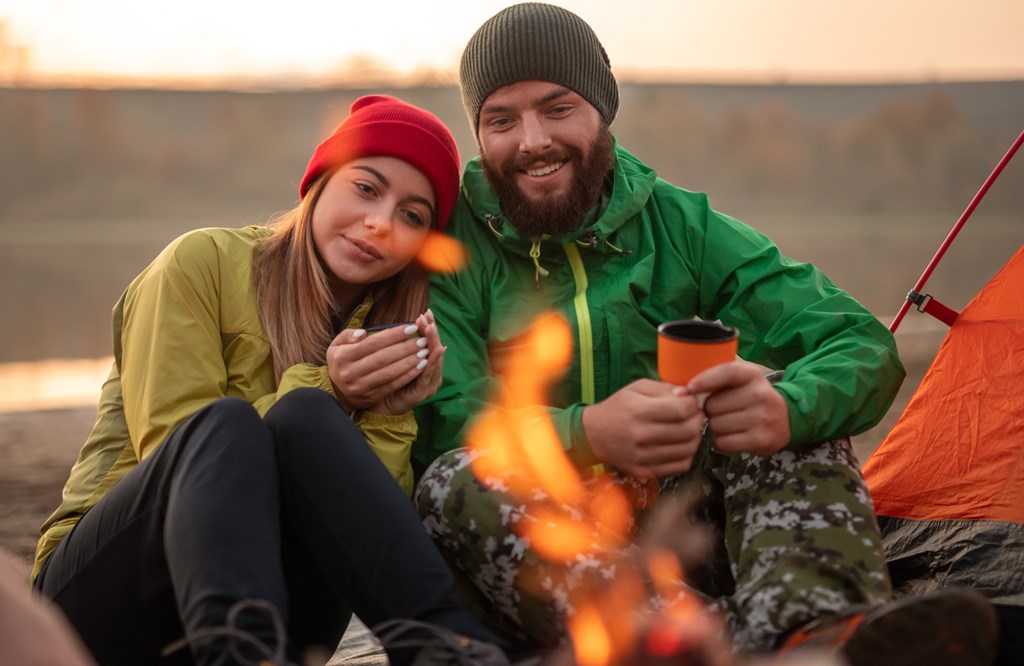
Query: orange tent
[[948, 480], [957, 451]]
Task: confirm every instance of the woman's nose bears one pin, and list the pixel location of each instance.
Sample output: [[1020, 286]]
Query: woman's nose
[[378, 221]]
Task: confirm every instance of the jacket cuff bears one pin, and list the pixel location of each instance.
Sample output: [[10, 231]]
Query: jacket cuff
[[386, 420], [578, 446]]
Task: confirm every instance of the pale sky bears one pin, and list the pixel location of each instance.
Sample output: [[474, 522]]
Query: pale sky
[[203, 41]]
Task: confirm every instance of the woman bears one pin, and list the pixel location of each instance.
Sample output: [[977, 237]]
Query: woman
[[227, 486]]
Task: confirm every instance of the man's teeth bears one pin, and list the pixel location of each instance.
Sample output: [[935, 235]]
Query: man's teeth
[[545, 170]]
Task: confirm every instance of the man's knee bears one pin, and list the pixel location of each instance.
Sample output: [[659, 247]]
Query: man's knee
[[451, 500]]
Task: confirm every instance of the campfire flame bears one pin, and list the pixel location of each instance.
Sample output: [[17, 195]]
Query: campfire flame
[[441, 253], [521, 454]]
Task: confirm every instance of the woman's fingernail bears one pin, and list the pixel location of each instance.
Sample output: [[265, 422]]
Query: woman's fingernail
[[410, 329], [423, 353], [422, 364], [422, 342], [358, 333]]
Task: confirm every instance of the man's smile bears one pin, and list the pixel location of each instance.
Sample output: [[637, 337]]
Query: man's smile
[[545, 170]]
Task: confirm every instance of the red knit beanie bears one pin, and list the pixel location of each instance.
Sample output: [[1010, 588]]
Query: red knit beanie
[[383, 125]]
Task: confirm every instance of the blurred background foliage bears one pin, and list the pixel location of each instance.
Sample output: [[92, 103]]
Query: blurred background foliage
[[863, 180]]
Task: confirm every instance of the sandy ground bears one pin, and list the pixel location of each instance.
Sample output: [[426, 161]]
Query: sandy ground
[[37, 449]]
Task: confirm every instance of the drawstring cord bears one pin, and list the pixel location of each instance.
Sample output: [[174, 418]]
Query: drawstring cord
[[491, 221], [591, 240], [617, 249], [588, 240], [541, 271]]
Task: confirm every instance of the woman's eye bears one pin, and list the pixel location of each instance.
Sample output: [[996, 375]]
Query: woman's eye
[[414, 218], [366, 188]]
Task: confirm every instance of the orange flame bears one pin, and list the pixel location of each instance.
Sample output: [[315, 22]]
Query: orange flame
[[555, 536], [441, 253], [521, 455], [590, 638]]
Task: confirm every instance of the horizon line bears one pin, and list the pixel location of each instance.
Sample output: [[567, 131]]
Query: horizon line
[[285, 83]]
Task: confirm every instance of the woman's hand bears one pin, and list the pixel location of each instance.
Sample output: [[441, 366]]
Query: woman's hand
[[428, 381], [389, 371]]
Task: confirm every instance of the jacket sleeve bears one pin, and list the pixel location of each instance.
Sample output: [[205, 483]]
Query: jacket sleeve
[[170, 342], [842, 369], [467, 382]]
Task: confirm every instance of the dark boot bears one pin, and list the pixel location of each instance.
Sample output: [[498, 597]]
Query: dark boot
[[948, 628]]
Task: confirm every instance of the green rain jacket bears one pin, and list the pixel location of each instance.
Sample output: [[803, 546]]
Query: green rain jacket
[[187, 332], [655, 252]]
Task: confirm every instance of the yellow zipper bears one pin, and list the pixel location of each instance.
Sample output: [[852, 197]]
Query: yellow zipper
[[586, 332]]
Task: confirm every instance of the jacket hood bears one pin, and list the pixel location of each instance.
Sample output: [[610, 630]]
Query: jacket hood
[[632, 185]]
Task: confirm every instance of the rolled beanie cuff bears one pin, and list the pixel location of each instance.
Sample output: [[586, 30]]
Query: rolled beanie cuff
[[380, 125], [535, 41], [392, 138]]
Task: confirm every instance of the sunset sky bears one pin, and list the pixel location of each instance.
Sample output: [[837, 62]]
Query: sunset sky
[[207, 42]]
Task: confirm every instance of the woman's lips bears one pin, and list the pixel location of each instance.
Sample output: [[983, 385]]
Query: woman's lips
[[366, 249]]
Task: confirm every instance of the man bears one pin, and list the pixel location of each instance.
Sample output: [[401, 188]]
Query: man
[[556, 215]]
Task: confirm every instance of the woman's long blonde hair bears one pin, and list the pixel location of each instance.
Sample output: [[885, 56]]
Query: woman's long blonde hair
[[293, 295]]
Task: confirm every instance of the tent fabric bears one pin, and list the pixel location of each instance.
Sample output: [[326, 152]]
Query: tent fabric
[[957, 451], [984, 555]]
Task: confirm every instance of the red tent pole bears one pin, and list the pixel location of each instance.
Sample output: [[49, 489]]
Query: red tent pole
[[956, 229]]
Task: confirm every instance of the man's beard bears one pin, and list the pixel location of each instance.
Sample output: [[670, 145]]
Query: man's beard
[[553, 215]]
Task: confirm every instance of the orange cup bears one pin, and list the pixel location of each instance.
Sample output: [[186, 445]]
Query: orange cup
[[687, 347]]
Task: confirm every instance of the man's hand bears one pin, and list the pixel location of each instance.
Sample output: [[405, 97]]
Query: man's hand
[[744, 411], [647, 428]]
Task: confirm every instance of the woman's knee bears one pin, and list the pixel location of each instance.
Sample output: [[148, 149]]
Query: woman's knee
[[230, 410], [222, 422], [302, 406], [310, 417]]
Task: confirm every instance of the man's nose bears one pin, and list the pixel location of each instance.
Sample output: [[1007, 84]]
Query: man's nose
[[535, 136]]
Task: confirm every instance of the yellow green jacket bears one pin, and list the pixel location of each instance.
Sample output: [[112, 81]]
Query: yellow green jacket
[[186, 332]]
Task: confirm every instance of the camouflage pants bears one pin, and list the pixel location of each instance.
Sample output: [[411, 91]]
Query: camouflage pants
[[796, 538]]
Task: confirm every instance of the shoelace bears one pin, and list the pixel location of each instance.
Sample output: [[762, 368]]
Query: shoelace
[[459, 648], [230, 630]]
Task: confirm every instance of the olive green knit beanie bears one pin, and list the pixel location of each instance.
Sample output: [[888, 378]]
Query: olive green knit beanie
[[536, 41]]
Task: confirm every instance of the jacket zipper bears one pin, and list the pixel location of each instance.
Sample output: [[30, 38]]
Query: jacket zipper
[[583, 323]]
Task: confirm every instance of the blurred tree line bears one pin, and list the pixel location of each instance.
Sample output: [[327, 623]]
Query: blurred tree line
[[864, 181], [84, 154]]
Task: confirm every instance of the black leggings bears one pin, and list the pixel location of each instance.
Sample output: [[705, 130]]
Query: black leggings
[[293, 509]]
